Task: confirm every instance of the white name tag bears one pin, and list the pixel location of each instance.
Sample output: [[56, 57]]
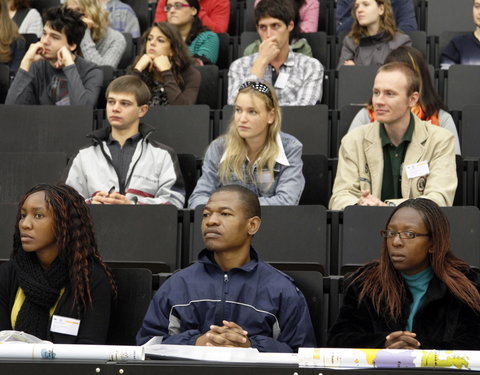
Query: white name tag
[[417, 169], [281, 81], [65, 325]]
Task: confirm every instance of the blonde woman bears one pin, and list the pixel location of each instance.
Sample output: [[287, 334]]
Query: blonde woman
[[254, 153], [101, 44], [373, 36]]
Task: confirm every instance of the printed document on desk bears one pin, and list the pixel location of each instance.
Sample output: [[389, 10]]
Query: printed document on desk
[[216, 354]]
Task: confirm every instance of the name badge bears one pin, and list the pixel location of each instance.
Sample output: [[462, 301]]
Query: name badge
[[417, 169], [65, 325], [281, 81]]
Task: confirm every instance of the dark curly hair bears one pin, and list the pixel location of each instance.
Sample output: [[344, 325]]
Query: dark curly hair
[[74, 233], [180, 59], [68, 21]]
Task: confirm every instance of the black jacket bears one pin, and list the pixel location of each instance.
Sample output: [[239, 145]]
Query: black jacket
[[441, 322], [94, 321]]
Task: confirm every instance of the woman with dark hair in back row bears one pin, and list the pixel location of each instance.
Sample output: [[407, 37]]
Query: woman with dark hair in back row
[[56, 286], [202, 43], [165, 65], [418, 294]]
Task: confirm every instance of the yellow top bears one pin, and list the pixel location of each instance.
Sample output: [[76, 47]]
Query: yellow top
[[20, 298]]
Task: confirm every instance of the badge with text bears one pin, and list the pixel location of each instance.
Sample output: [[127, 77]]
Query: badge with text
[[281, 81], [417, 169], [65, 325]]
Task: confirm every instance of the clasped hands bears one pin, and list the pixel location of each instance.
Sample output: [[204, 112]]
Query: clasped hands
[[368, 199], [230, 335], [104, 197], [402, 340]]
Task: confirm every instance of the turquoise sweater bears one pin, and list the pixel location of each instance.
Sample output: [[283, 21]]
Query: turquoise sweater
[[206, 44], [418, 285]]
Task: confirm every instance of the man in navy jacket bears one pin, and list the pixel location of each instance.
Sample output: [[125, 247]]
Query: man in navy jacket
[[230, 297]]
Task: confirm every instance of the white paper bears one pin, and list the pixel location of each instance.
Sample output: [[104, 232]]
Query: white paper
[[281, 81], [65, 325], [72, 352], [417, 169]]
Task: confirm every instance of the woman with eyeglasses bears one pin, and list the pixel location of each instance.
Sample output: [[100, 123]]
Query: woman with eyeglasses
[[418, 294], [202, 43], [373, 35], [214, 14], [254, 153], [165, 65]]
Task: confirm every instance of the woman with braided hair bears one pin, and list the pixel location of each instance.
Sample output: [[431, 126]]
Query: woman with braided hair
[[56, 286]]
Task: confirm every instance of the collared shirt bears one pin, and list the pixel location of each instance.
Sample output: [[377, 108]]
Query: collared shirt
[[302, 84], [393, 157], [122, 18], [262, 181], [122, 156]]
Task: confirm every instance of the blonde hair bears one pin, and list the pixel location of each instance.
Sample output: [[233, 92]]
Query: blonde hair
[[97, 13], [236, 147], [8, 32], [387, 23]]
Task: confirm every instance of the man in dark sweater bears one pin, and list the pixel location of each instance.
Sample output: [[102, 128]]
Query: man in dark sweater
[[464, 49], [50, 72]]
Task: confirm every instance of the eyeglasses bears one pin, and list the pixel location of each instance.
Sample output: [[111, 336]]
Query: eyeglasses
[[177, 6], [407, 235], [257, 86]]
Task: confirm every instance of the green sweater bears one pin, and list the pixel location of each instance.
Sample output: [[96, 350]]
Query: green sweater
[[205, 45]]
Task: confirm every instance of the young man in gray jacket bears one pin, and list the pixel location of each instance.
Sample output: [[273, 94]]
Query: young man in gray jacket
[[50, 72], [122, 165]]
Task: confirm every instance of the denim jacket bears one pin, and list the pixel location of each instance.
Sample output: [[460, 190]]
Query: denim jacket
[[285, 190]]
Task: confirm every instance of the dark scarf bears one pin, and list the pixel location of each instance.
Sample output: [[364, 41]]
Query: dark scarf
[[41, 288]]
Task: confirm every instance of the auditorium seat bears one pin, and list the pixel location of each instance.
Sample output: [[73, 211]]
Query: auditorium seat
[[138, 236], [129, 53], [134, 292], [140, 8], [317, 183], [185, 128], [210, 92], [470, 134], [8, 217], [443, 15], [45, 128], [4, 82], [19, 171], [462, 86], [188, 167], [310, 284], [354, 85]]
